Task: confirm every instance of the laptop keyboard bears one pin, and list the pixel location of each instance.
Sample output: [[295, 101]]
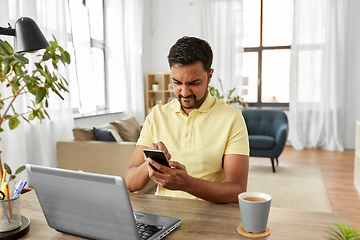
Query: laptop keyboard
[[146, 230]]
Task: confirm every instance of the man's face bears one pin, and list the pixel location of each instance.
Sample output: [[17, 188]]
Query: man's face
[[190, 85]]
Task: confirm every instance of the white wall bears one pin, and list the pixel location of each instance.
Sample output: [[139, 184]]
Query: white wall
[[165, 21], [352, 79]]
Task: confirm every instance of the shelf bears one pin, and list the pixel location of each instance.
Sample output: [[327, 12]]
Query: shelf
[[161, 96]]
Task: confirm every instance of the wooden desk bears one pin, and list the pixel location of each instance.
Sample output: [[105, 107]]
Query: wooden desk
[[200, 219]]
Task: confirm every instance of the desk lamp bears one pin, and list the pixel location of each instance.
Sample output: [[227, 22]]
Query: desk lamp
[[28, 36]]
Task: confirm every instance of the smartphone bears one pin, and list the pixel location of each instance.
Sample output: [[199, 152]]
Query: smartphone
[[158, 156]]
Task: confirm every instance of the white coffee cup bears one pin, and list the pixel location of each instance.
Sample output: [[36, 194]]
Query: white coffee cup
[[254, 209]]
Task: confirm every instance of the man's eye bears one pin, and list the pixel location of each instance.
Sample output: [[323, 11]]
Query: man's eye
[[177, 83], [194, 83]]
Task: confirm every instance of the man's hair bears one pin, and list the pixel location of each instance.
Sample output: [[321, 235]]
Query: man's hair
[[189, 50]]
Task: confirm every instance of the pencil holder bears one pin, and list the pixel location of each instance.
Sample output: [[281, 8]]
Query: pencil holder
[[10, 218]]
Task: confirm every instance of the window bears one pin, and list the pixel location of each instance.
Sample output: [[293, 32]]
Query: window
[[94, 12], [266, 58]]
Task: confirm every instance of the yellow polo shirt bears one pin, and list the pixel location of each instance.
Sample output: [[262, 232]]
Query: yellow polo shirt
[[199, 140]]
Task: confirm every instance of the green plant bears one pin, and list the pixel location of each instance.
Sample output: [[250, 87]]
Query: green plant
[[229, 99], [14, 74], [155, 82], [11, 174], [343, 233]]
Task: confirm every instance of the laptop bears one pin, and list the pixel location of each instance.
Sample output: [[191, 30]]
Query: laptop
[[93, 206]]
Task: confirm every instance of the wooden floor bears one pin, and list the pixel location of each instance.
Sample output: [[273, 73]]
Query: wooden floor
[[337, 169]]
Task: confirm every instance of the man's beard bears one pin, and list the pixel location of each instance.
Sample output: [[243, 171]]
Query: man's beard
[[196, 104]]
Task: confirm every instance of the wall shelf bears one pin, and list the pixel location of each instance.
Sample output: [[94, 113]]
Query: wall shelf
[[161, 96]]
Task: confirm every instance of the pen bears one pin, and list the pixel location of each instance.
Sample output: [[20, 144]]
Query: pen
[[18, 191], [16, 188]]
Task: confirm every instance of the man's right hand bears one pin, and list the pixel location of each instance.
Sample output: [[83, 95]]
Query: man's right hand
[[137, 174]]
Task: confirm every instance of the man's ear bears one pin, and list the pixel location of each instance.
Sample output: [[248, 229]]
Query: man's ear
[[210, 75]]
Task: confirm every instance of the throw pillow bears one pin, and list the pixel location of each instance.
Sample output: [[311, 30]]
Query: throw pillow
[[108, 135], [129, 129], [84, 134], [108, 126]]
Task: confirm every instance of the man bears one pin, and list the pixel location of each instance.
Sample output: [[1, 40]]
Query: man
[[205, 139]]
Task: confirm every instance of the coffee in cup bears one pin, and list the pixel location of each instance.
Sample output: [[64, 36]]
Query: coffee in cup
[[254, 209]]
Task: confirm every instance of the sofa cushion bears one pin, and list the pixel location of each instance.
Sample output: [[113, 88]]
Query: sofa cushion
[[261, 141], [87, 134], [108, 135], [128, 128], [84, 134]]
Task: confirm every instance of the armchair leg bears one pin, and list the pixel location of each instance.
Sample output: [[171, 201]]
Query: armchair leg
[[277, 162], [273, 164]]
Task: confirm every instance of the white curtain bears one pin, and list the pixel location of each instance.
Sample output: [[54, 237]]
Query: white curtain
[[220, 22], [36, 142], [317, 88], [124, 20]]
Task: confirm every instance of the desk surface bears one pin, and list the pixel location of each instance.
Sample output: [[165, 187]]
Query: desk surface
[[200, 219]]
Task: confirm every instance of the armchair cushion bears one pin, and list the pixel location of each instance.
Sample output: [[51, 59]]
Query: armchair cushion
[[261, 141]]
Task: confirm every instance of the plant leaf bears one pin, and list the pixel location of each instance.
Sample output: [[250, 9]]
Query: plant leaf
[[25, 119], [46, 56], [5, 47], [21, 59], [8, 169], [31, 116], [20, 169], [46, 113], [40, 94], [67, 57], [7, 60], [13, 123]]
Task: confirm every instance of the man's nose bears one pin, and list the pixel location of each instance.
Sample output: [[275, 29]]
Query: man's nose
[[185, 90]]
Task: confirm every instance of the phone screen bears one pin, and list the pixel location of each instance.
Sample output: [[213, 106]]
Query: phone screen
[[158, 156]]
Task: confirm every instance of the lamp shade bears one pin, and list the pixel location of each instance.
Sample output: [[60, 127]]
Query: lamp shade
[[28, 36]]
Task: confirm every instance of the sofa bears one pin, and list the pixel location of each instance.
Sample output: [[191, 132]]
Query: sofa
[[103, 149]]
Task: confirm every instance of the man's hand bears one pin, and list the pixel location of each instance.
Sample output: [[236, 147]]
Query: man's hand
[[174, 178], [160, 146]]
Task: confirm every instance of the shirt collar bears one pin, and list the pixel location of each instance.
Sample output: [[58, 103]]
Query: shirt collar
[[205, 106]]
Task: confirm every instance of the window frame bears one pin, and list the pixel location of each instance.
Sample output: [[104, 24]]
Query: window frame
[[100, 44], [259, 50]]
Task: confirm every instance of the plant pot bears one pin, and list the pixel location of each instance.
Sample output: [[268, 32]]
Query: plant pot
[[155, 87]]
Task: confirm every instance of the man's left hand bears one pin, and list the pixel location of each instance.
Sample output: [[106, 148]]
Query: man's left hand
[[174, 178]]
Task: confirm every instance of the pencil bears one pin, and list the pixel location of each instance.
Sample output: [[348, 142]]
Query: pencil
[[8, 197], [3, 179]]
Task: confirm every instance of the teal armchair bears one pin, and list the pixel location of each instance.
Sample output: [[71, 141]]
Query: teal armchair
[[268, 131]]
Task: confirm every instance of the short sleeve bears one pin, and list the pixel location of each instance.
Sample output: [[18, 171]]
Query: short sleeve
[[238, 140], [146, 138]]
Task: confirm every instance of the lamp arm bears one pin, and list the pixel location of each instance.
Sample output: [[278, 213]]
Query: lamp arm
[[7, 31]]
